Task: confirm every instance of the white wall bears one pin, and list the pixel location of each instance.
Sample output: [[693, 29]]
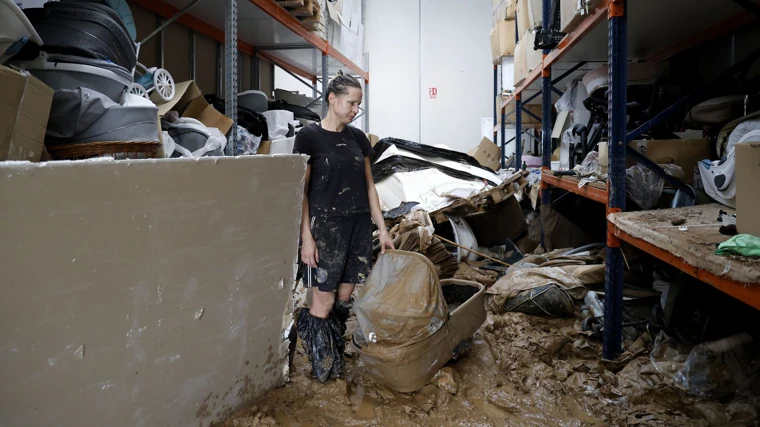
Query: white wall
[[392, 40], [417, 44], [456, 59]]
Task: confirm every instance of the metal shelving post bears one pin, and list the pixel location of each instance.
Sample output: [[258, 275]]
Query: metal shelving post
[[616, 101], [495, 108], [325, 82], [231, 73], [518, 131], [546, 104]]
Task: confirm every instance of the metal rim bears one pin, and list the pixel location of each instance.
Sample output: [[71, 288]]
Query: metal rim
[[163, 84]]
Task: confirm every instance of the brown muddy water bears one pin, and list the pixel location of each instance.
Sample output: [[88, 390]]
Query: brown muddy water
[[521, 371]]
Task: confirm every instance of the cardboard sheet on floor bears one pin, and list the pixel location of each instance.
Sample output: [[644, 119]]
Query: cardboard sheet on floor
[[145, 292], [696, 246]]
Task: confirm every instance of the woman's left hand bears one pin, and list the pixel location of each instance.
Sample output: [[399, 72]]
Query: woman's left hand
[[385, 241]]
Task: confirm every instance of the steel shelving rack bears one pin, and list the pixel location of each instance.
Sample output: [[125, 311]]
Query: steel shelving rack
[[686, 24], [265, 31]]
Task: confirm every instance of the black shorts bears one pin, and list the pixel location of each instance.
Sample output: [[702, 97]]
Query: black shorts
[[344, 246]]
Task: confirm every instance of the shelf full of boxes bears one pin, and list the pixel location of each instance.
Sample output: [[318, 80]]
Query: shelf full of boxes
[[641, 31]]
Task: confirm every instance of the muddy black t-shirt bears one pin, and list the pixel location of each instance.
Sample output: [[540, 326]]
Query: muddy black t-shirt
[[338, 185]]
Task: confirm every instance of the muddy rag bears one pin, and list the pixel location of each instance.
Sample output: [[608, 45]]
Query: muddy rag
[[741, 244]]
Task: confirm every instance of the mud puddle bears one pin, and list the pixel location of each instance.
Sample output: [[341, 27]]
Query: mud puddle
[[521, 371]]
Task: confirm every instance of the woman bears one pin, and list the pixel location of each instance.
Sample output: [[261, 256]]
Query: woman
[[339, 202]]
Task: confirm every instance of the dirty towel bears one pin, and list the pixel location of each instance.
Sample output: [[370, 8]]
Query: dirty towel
[[741, 244]]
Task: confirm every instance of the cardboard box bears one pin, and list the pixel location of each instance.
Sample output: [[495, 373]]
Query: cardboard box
[[265, 147], [747, 179], [178, 293], [189, 102], [502, 40], [487, 154], [373, 139], [685, 153], [24, 111]]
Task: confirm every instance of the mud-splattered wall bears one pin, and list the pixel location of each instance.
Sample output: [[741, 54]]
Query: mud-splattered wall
[[144, 293]]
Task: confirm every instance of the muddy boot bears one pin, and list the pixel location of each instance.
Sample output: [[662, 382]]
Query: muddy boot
[[342, 310], [323, 344]]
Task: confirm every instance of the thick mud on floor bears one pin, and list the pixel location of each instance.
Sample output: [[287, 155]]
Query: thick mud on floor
[[521, 371]]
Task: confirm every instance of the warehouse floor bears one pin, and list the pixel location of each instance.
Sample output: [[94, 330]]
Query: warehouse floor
[[521, 370]]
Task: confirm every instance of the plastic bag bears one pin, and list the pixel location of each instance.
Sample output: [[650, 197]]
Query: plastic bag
[[589, 166], [279, 122], [216, 140], [247, 143], [643, 186], [323, 344], [712, 369]]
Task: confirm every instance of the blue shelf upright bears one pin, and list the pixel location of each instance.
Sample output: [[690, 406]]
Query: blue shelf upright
[[616, 102]]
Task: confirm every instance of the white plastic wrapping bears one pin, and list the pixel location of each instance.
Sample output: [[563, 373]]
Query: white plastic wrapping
[[169, 145], [216, 139], [278, 121]]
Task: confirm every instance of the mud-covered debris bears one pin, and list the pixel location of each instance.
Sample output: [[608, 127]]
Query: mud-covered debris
[[678, 221], [445, 380]]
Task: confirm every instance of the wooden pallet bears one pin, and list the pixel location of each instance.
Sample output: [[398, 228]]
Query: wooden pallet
[[307, 11]]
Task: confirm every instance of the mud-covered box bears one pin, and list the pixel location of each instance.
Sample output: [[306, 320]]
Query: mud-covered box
[[410, 322]]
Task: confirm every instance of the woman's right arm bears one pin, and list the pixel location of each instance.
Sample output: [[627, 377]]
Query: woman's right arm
[[309, 253]]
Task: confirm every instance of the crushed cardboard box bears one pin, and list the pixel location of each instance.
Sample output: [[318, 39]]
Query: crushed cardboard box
[[487, 154], [188, 101], [24, 111]]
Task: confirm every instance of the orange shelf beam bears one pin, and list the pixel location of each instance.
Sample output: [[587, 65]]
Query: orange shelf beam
[[573, 37], [747, 294], [591, 193], [293, 24]]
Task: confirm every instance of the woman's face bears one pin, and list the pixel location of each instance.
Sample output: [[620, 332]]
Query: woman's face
[[346, 107]]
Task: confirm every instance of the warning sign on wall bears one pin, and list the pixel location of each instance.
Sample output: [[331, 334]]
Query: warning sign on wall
[[433, 92]]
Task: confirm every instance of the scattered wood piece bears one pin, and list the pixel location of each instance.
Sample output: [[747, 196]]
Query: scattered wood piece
[[470, 250]]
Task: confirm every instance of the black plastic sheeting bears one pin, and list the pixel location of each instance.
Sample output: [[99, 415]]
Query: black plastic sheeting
[[84, 29], [394, 164], [298, 111], [323, 344], [402, 210]]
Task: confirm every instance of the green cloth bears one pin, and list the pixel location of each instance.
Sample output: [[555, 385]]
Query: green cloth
[[741, 244]]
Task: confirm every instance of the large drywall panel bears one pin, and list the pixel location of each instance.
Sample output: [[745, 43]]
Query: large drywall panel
[[392, 39], [145, 293], [456, 61]]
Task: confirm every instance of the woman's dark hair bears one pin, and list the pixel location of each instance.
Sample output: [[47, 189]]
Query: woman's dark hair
[[340, 85]]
